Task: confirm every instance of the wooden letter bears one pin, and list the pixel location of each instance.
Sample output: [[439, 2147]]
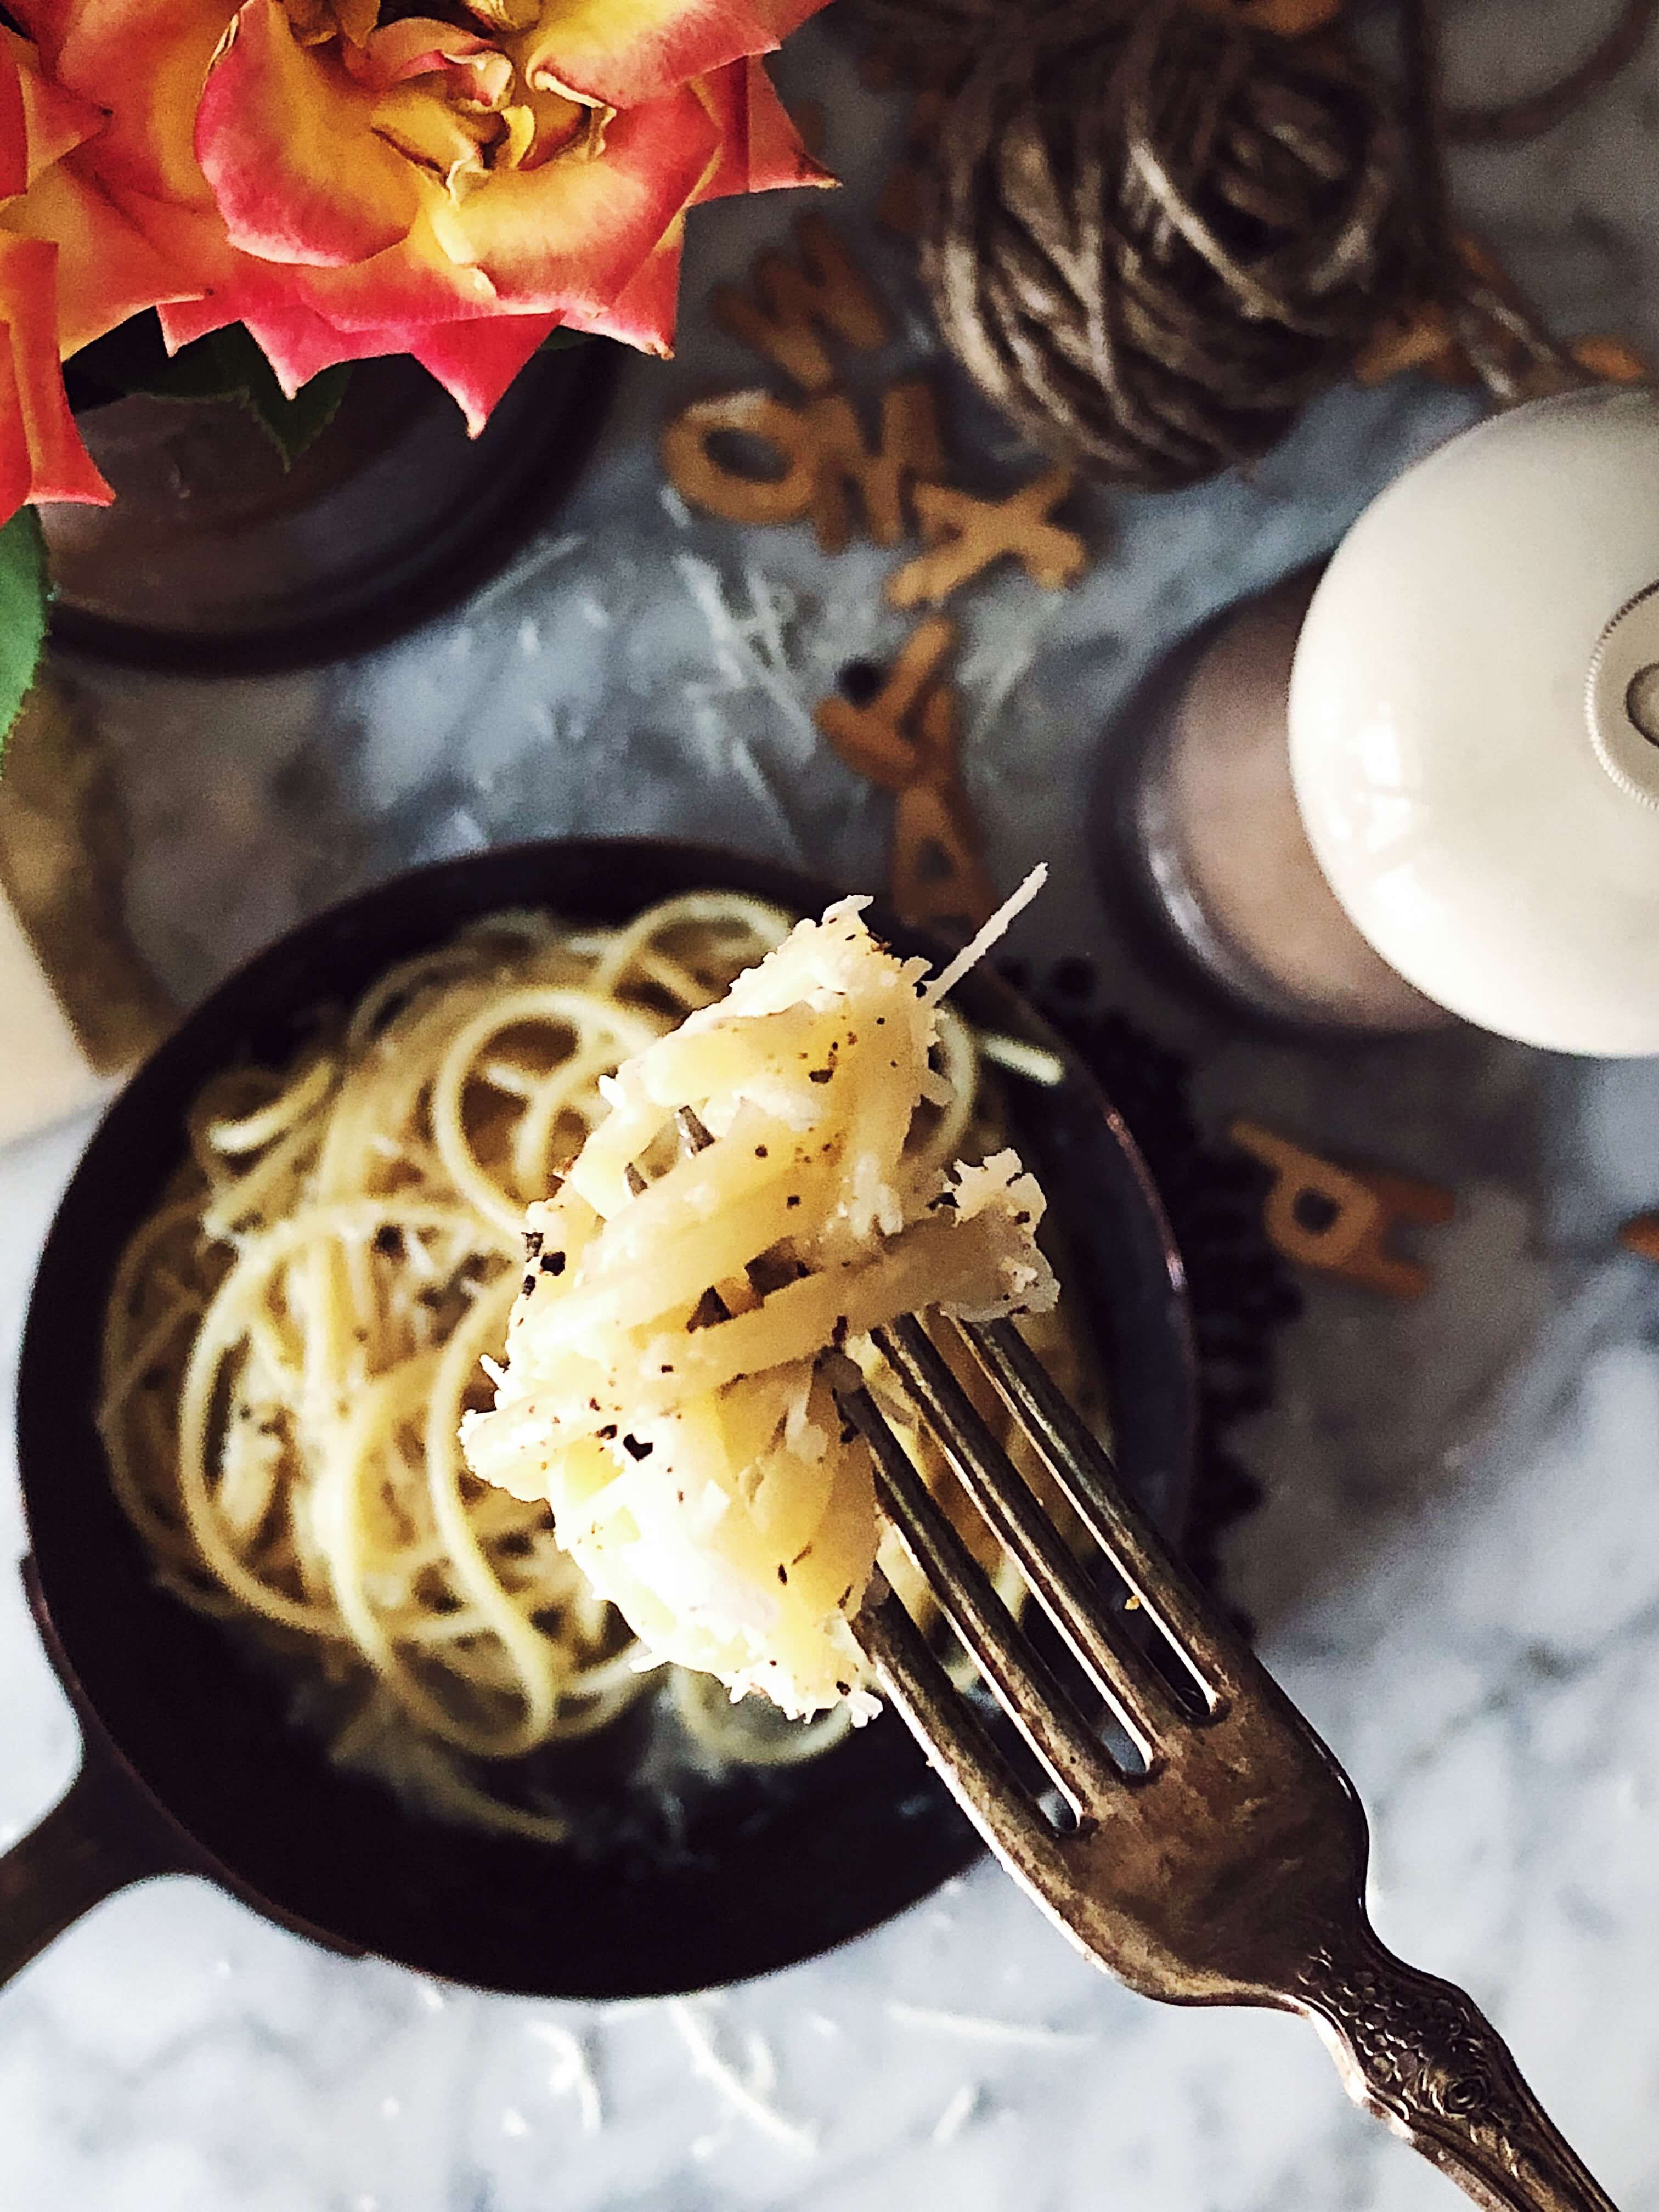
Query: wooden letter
[[792, 302], [909, 448], [906, 740], [706, 481], [971, 533], [874, 738], [1338, 1220], [937, 873]]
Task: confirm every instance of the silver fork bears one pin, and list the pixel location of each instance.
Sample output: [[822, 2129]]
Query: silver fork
[[1223, 1862]]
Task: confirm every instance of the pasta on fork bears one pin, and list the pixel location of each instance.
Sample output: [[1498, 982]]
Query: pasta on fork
[[755, 1203]]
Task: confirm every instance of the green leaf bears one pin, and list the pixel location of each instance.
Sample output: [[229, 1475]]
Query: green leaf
[[23, 595], [214, 367], [229, 365], [556, 341], [292, 425]]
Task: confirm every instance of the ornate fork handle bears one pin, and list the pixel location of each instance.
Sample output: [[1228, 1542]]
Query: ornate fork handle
[[1420, 2054]]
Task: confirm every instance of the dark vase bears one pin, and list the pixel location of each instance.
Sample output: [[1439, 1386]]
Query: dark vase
[[215, 559]]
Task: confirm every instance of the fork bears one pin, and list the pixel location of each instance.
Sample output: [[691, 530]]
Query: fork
[[1221, 1859]]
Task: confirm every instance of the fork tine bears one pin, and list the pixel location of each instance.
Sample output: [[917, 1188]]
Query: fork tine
[[1142, 1703], [1075, 1459], [951, 1733], [1080, 1765], [694, 1136]]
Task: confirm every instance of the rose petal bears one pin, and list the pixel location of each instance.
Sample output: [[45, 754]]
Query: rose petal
[[284, 139], [644, 312], [191, 239], [408, 48], [623, 53], [411, 284], [34, 411], [296, 332], [570, 235], [298, 305], [143, 61], [761, 149], [14, 121], [185, 321], [42, 22], [299, 344], [108, 268], [16, 467], [39, 122], [475, 362], [297, 338]]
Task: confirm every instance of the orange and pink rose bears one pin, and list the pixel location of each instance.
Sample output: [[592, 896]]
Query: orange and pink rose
[[72, 266], [453, 189]]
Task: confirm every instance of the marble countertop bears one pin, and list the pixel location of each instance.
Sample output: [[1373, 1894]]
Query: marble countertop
[[1457, 1570]]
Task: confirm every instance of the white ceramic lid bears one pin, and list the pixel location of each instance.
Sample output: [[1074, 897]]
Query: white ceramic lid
[[1469, 704]]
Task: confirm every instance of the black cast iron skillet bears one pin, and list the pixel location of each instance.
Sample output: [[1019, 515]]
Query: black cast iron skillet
[[192, 1763]]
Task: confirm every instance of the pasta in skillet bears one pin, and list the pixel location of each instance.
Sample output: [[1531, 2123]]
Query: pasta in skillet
[[295, 1333]]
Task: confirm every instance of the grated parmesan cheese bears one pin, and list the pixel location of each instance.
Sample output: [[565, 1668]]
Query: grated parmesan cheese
[[749, 2098], [973, 2027]]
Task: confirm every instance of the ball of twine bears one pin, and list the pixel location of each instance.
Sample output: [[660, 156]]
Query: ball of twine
[[1154, 233]]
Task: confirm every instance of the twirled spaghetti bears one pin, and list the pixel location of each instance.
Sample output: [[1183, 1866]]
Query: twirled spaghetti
[[670, 1381]]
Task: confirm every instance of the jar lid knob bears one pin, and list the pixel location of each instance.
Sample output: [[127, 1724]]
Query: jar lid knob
[[1621, 703]]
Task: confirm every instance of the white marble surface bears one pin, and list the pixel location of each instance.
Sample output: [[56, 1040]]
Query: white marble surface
[[1456, 1571]]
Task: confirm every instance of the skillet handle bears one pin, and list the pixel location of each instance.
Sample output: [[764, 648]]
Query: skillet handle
[[104, 1833]]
